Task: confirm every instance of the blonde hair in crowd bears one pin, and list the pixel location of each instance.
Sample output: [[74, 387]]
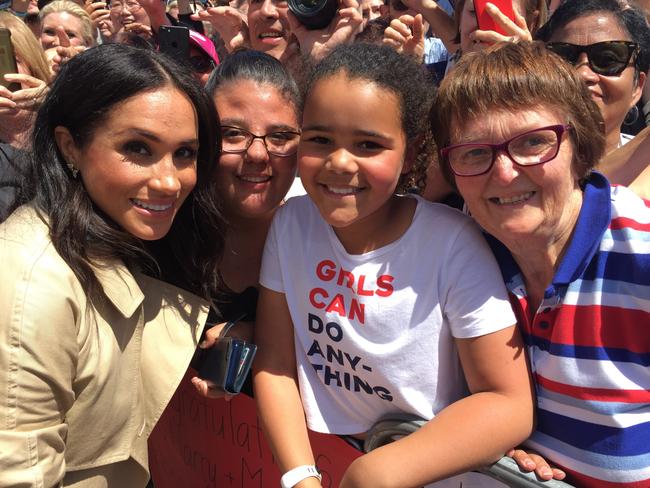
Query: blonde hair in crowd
[[26, 47], [87, 30]]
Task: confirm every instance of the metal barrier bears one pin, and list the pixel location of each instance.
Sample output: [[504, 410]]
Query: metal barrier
[[505, 470]]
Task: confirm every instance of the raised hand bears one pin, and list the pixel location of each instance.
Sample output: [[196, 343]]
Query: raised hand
[[28, 97], [406, 36], [318, 43], [229, 22], [517, 30], [98, 12]]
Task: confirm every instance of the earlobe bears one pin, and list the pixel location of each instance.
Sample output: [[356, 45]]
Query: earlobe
[[66, 144], [638, 89]]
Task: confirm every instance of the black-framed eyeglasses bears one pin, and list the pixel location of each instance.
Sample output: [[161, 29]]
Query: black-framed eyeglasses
[[238, 140], [607, 58], [201, 64], [537, 146]]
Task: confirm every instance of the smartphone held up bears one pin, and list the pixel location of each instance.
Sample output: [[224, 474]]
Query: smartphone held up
[[485, 20], [7, 60]]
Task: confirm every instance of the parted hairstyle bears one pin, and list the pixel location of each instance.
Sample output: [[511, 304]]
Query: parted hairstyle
[[397, 73], [71, 8], [629, 18], [81, 233], [258, 67], [514, 77], [26, 47]]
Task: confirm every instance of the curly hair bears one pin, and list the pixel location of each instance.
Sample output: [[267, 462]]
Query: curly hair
[[400, 75]]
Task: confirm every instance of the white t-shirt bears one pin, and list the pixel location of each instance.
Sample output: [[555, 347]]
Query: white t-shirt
[[374, 332]]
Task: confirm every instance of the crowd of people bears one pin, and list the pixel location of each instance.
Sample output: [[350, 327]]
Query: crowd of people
[[411, 217]]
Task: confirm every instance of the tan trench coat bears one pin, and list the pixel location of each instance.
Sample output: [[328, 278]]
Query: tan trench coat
[[82, 385]]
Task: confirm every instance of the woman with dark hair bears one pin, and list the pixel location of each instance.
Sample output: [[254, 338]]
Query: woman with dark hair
[[520, 135], [259, 109], [117, 218], [258, 103], [608, 42]]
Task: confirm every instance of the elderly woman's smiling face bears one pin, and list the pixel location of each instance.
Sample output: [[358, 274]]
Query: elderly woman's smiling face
[[514, 202]]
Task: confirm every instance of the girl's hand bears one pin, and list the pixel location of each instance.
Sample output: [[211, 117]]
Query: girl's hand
[[98, 12], [29, 97], [517, 30], [318, 43], [229, 22], [531, 461], [406, 36]]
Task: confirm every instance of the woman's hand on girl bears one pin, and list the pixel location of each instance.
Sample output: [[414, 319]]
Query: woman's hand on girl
[[229, 22], [29, 97], [406, 35], [517, 30], [531, 461], [318, 43]]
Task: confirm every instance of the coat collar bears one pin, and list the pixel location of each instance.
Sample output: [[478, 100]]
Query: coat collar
[[119, 286]]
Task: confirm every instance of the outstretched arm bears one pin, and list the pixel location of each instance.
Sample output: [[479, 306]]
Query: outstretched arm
[[469, 433], [276, 386]]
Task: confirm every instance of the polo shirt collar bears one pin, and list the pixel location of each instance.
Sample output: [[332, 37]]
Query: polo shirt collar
[[592, 223]]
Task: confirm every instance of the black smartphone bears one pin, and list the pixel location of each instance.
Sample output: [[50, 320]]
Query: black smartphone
[[175, 42], [7, 59]]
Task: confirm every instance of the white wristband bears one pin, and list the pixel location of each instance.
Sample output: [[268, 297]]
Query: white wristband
[[294, 476]]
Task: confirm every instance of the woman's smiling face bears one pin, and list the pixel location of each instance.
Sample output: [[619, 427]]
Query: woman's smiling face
[[614, 95], [512, 201], [139, 165], [254, 182]]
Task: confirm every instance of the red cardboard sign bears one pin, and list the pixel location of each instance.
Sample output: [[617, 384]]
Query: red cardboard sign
[[203, 443]]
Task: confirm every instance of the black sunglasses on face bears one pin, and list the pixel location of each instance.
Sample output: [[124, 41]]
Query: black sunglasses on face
[[608, 58]]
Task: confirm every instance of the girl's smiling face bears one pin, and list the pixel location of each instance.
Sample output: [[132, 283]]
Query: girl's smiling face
[[352, 150]]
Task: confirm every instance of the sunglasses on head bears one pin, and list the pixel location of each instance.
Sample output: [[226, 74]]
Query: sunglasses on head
[[607, 58], [201, 64]]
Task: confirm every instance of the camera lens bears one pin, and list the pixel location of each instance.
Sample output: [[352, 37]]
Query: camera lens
[[314, 14]]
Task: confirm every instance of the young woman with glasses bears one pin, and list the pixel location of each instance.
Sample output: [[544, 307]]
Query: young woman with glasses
[[608, 43]]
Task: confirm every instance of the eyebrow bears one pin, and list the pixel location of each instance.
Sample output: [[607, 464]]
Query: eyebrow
[[357, 132], [152, 137], [273, 128]]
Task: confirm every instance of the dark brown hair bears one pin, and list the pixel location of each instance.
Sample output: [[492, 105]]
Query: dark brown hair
[[514, 77], [81, 233]]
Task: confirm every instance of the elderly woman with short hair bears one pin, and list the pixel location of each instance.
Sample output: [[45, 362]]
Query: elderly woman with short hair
[[520, 135]]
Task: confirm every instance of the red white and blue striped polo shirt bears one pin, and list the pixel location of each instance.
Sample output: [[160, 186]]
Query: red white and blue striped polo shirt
[[589, 343]]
